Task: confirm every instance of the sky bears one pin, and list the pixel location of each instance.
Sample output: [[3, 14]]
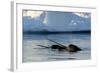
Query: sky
[[34, 14]]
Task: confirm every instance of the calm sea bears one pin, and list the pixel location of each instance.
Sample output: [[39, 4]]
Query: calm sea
[[33, 53]]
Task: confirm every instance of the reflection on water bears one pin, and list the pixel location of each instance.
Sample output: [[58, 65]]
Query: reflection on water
[[34, 53]]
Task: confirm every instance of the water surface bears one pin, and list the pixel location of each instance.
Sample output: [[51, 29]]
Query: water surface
[[33, 53]]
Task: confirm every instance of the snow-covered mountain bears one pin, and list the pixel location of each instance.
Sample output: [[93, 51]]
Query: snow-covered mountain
[[34, 24], [57, 21]]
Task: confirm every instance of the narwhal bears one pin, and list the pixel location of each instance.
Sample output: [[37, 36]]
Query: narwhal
[[60, 47]]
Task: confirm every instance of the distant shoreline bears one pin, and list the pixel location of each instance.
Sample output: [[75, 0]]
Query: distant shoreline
[[58, 32]]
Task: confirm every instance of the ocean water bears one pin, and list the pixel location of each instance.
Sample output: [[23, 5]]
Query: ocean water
[[31, 52]]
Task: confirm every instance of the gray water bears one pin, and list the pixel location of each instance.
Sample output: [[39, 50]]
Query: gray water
[[33, 53]]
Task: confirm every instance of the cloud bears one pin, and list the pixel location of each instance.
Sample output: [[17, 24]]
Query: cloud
[[85, 15], [31, 13]]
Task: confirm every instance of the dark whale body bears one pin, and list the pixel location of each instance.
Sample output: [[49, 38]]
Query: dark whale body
[[73, 48], [70, 48], [61, 47]]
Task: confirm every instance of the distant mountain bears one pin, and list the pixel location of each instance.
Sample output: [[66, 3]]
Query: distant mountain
[[57, 22], [33, 24]]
